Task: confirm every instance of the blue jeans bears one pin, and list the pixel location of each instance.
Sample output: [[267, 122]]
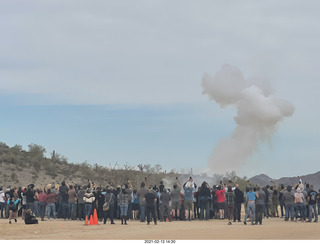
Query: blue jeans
[[129, 215], [289, 212], [87, 209], [299, 207], [204, 206], [266, 209], [2, 207], [81, 211], [36, 208], [64, 210], [72, 207], [314, 207], [123, 209], [251, 206], [142, 212], [42, 208], [51, 208]]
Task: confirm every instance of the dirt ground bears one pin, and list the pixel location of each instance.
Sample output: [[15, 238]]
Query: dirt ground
[[272, 229]]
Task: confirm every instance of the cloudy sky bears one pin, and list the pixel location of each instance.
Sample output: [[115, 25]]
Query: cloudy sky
[[120, 81]]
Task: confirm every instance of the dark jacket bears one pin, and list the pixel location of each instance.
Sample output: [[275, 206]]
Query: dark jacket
[[238, 196], [30, 219]]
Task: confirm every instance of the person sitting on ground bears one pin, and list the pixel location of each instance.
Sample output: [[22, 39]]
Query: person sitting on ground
[[30, 218]]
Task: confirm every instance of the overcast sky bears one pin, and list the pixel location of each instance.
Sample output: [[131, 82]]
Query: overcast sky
[[109, 81]]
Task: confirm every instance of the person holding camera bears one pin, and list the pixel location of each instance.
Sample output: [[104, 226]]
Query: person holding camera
[[220, 194], [205, 199], [189, 187]]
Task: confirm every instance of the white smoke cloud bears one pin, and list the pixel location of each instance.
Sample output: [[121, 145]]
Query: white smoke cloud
[[258, 114]]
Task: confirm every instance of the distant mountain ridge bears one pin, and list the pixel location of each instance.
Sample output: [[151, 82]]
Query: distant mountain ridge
[[263, 180]]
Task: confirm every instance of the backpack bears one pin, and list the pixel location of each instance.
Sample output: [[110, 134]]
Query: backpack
[[106, 205]]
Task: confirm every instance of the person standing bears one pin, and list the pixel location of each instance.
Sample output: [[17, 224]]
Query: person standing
[[142, 203], [299, 199], [88, 199], [99, 203], [288, 197], [175, 196], [260, 204], [42, 204], [230, 201], [237, 205], [318, 201], [251, 207], [312, 201], [123, 201], [2, 202], [275, 200], [63, 188], [30, 198], [81, 204], [110, 198], [165, 198], [64, 204], [189, 187], [23, 202], [271, 210], [51, 204], [281, 200], [36, 208], [150, 199], [220, 194], [72, 198], [266, 205], [205, 199], [130, 193]]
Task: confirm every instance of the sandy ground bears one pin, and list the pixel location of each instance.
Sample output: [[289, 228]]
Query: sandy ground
[[272, 229]]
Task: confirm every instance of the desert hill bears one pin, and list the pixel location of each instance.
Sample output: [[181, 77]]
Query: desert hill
[[263, 180]]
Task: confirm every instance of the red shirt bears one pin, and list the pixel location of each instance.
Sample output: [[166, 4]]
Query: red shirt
[[42, 197], [220, 195], [51, 198]]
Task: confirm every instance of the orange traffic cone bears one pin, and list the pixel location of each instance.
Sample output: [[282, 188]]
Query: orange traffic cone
[[86, 222], [91, 220], [95, 217]]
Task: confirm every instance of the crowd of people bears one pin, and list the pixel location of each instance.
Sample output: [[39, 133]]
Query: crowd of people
[[184, 202]]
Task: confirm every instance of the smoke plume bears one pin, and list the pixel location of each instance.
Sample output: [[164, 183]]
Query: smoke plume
[[258, 114]]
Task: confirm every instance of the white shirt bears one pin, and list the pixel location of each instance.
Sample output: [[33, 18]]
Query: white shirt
[[2, 196]]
